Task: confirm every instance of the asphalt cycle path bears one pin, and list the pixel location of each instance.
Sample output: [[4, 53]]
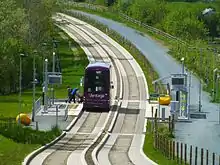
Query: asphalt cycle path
[[203, 133]]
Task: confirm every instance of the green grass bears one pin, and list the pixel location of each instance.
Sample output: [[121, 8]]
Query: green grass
[[9, 106], [175, 48], [72, 71], [73, 64], [12, 153], [155, 154]]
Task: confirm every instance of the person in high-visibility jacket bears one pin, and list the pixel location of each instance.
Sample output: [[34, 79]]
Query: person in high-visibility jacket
[[73, 95]]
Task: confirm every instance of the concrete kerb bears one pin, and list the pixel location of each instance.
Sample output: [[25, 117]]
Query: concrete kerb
[[141, 71], [106, 137], [30, 157]]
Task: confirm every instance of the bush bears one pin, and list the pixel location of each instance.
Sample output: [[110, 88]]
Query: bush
[[21, 134]]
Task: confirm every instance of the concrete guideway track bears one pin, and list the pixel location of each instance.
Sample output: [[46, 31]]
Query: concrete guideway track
[[85, 137], [85, 130], [130, 121]]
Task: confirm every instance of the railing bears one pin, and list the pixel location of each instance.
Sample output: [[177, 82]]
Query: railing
[[38, 104]]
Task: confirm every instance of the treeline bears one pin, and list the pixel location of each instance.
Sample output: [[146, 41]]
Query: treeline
[[181, 19], [26, 27]]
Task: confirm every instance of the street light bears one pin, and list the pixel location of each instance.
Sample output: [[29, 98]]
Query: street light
[[20, 81], [44, 45], [53, 73], [182, 60], [214, 82], [46, 87], [34, 82]]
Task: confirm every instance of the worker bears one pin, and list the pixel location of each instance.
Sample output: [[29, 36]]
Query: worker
[[73, 95]]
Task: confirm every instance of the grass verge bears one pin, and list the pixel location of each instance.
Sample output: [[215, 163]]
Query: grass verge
[[147, 68], [16, 141], [195, 60], [12, 153], [149, 149]]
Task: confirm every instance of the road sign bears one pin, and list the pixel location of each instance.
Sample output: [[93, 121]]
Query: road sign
[[55, 79]]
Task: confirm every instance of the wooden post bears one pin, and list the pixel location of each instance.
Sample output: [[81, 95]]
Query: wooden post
[[213, 158], [173, 150], [152, 111], [196, 152], [207, 157], [185, 154], [181, 153], [219, 159], [169, 123], [201, 156], [173, 126], [190, 155], [177, 149], [169, 149]]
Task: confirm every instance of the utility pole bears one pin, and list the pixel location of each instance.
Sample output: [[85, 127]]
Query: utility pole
[[34, 82]]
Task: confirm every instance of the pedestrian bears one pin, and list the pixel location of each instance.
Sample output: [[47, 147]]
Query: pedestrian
[[73, 95], [69, 90]]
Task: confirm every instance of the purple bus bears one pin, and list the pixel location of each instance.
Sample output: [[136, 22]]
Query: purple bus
[[97, 86]]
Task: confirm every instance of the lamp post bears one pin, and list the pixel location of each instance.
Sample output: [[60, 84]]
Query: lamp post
[[20, 82], [44, 45], [34, 82], [214, 82], [182, 60], [46, 86], [200, 83], [53, 73]]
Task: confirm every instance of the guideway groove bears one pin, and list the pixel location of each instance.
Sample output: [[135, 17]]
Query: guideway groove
[[79, 141], [131, 115]]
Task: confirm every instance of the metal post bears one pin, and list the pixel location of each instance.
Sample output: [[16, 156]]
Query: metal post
[[20, 79], [200, 83], [57, 116], [46, 87], [182, 60], [34, 81], [53, 72], [188, 109], [214, 83], [217, 82], [44, 44]]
